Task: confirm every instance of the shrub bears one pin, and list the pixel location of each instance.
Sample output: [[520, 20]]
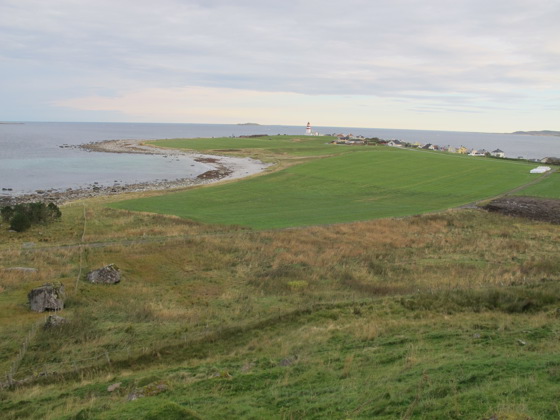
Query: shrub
[[7, 212], [20, 222], [22, 216], [54, 211]]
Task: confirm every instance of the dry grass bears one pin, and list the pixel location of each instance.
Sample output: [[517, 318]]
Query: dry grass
[[184, 280]]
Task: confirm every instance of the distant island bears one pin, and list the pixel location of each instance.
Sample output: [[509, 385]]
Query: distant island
[[248, 124], [539, 133]]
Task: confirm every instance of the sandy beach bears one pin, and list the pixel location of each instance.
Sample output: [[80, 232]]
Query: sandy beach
[[225, 168]]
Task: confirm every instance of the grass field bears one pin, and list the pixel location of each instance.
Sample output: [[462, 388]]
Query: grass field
[[262, 147], [547, 188], [370, 182]]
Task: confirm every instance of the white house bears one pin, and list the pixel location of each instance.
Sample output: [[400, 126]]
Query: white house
[[475, 152], [395, 143]]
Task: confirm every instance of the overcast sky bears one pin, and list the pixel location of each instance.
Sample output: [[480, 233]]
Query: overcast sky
[[466, 65]]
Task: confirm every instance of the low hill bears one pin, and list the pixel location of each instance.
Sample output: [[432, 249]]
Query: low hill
[[539, 133]]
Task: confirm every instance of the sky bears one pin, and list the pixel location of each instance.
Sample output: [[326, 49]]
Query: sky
[[462, 65]]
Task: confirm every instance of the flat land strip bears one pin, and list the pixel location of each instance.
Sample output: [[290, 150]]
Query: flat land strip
[[271, 147], [335, 184]]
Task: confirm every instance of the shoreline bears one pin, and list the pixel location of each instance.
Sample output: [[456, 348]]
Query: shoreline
[[226, 168]]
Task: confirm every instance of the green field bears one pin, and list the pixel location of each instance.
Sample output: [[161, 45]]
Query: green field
[[277, 146], [370, 182], [547, 188]]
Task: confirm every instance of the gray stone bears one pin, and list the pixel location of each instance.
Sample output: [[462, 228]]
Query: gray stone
[[114, 387], [109, 274], [148, 391], [22, 269], [54, 321], [49, 297], [286, 362]]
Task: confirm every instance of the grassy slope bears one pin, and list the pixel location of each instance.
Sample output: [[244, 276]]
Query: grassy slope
[[413, 318], [368, 183]]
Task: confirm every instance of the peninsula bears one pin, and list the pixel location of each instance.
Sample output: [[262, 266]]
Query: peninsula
[[539, 133]]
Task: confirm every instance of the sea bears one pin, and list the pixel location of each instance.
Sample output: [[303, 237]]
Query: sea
[[43, 155]]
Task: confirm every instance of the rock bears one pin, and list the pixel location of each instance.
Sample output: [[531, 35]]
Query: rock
[[114, 387], [49, 297], [543, 209], [247, 367], [109, 274], [54, 321], [286, 362], [223, 374], [22, 269], [148, 391]]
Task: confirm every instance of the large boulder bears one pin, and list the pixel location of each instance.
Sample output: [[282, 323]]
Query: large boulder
[[49, 297], [109, 274]]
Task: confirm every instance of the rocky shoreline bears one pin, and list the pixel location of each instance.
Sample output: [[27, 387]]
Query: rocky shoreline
[[224, 168]]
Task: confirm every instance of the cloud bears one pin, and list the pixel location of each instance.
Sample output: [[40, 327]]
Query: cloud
[[462, 53], [203, 105]]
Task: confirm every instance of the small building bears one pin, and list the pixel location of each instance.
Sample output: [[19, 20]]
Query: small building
[[395, 143], [498, 153], [475, 152], [463, 150], [551, 160]]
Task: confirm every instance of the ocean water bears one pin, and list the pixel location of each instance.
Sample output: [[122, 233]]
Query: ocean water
[[31, 157]]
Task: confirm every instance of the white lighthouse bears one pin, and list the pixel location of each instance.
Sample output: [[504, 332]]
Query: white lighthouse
[[308, 129]]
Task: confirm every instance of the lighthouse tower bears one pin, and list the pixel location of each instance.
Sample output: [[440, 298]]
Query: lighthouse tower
[[308, 130]]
